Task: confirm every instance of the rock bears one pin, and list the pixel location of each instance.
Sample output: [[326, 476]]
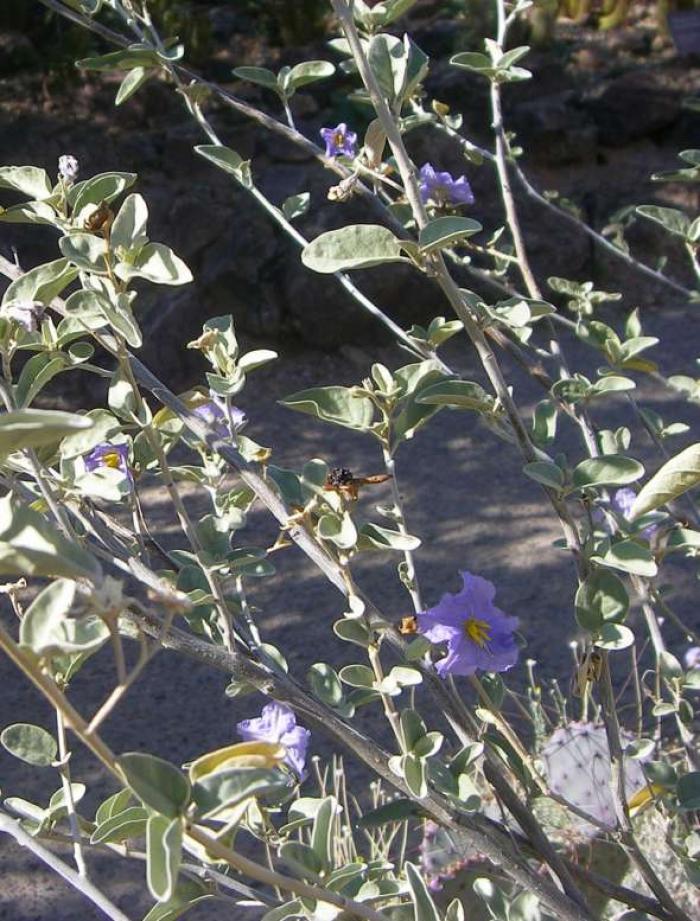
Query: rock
[[464, 92], [16, 53], [303, 105], [195, 221], [554, 130], [630, 41], [590, 60], [631, 107], [226, 23], [281, 180], [280, 149]]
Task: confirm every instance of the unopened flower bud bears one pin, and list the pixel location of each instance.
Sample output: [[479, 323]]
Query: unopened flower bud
[[441, 109], [68, 169], [343, 190]]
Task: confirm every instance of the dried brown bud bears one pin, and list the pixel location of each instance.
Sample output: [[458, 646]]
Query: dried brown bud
[[441, 109], [101, 219]]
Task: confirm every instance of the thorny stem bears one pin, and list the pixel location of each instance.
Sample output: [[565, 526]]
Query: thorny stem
[[411, 582], [79, 882], [39, 471], [638, 701], [504, 182], [690, 634], [288, 113], [692, 249], [64, 770], [247, 613], [387, 702], [272, 878], [598, 238], [118, 649], [225, 621], [619, 794]]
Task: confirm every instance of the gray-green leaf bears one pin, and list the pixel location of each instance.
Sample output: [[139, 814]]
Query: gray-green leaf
[[48, 629], [423, 904], [30, 428], [164, 849], [608, 470], [157, 263], [358, 246], [156, 782], [30, 743], [338, 405], [31, 545], [677, 476], [601, 598], [446, 231]]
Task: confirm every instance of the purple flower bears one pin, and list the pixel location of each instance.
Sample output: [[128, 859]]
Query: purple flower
[[212, 414], [68, 169], [26, 314], [622, 503], [623, 500], [339, 141], [692, 657], [278, 724], [107, 455], [477, 633], [441, 189]]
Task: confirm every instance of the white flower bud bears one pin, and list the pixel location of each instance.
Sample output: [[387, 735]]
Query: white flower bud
[[68, 169]]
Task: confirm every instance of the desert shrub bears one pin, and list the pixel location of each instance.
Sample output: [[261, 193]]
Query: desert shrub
[[576, 804]]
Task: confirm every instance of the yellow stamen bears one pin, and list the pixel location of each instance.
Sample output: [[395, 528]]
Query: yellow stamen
[[478, 631], [111, 460]]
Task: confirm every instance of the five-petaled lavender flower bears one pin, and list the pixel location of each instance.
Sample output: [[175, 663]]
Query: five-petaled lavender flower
[[277, 723], [621, 503], [339, 141], [68, 169], [107, 455], [442, 190], [477, 633], [26, 314], [211, 413]]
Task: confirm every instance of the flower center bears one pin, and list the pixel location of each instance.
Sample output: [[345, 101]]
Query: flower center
[[442, 194], [478, 631], [111, 459], [339, 139]]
